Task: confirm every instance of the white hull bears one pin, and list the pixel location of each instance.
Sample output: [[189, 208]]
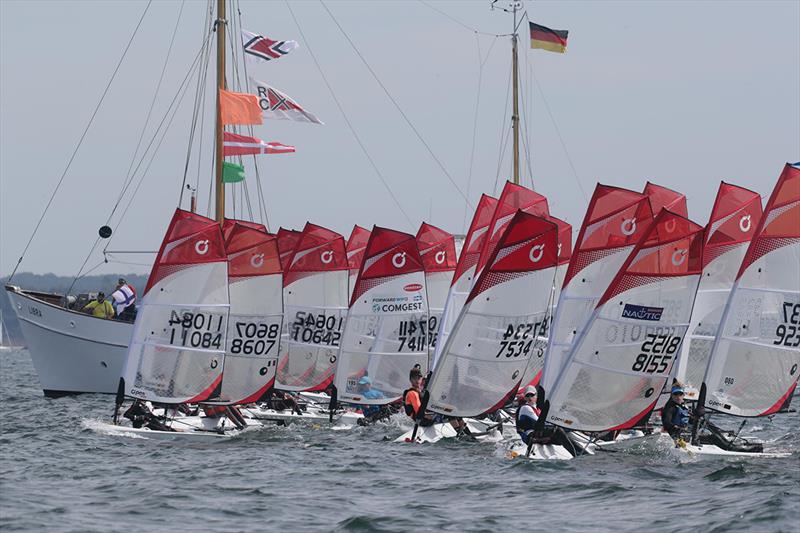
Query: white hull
[[437, 432], [188, 429], [313, 415], [72, 352]]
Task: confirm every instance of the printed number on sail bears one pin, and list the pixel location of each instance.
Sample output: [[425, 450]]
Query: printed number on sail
[[656, 353], [519, 338], [195, 330], [788, 333], [254, 338], [317, 329]]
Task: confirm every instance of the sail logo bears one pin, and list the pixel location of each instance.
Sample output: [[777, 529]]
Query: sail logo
[[412, 287], [257, 261], [201, 247], [326, 257], [679, 256], [440, 257], [670, 225], [536, 253], [628, 226], [642, 312], [399, 260], [744, 223]]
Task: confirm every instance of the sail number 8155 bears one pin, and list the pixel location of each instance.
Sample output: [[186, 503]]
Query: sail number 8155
[[656, 353]]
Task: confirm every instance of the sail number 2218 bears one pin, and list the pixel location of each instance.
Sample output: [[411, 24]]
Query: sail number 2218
[[656, 353]]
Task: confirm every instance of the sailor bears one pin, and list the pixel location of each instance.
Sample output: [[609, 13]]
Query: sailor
[[371, 413], [527, 414], [100, 307], [140, 414], [124, 297], [675, 414], [412, 403]]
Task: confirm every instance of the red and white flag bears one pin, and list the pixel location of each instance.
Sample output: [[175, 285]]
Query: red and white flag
[[233, 144], [275, 104], [258, 48]]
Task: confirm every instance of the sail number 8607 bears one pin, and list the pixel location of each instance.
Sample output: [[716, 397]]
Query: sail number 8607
[[254, 338]]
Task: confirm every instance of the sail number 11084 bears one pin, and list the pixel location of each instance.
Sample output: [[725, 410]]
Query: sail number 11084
[[196, 330]]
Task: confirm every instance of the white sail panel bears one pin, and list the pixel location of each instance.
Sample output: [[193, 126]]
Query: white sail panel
[[255, 286], [619, 364], [315, 297], [615, 220], [386, 330], [465, 271], [732, 223], [754, 364], [177, 351], [495, 337]]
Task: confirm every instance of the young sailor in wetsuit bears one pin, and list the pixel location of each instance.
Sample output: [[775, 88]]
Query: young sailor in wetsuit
[[527, 414], [675, 414], [372, 413], [140, 415], [412, 403]]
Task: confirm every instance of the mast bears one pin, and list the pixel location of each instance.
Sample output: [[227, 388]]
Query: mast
[[515, 78], [220, 27]]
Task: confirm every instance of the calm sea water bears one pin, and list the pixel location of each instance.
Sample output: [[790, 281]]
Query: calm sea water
[[58, 475]]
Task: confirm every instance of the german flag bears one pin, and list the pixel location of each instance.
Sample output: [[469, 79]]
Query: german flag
[[547, 39]]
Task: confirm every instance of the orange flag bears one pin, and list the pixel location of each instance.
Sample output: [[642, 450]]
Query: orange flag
[[239, 108]]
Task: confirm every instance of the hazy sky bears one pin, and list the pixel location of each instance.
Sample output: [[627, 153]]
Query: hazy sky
[[682, 93]]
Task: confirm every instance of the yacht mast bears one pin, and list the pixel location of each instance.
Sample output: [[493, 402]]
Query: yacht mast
[[515, 80], [220, 26]]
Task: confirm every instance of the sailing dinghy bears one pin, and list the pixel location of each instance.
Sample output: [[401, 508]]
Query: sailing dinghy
[[755, 361], [730, 228]]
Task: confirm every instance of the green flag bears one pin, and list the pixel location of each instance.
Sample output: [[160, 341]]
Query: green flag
[[232, 173]]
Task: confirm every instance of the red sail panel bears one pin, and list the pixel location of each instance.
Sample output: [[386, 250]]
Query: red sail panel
[[437, 248], [251, 250], [514, 197], [564, 240], [478, 229], [663, 198], [287, 240], [734, 218], [318, 250], [780, 224], [356, 245], [616, 218], [389, 253], [191, 239]]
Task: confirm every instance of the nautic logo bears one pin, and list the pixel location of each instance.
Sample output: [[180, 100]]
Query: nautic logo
[[744, 223], [536, 253], [201, 247], [257, 261], [628, 226], [412, 287], [440, 257], [399, 260], [326, 256], [642, 312], [679, 256]]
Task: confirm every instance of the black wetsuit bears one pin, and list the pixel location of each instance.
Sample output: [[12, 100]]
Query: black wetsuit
[[671, 418]]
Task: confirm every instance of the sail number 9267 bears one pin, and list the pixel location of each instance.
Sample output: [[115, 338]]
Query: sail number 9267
[[788, 333], [656, 354]]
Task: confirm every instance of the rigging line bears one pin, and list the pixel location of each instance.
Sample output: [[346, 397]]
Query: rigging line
[[561, 139], [475, 31], [173, 107], [80, 270], [184, 85], [397, 106], [503, 147], [128, 174], [80, 141], [347, 120], [503, 132], [474, 128]]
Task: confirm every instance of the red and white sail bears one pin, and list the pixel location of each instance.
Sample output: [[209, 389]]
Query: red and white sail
[[461, 285], [485, 357], [755, 362], [514, 197], [315, 297], [386, 330], [178, 347], [356, 246], [619, 364], [730, 228], [614, 222], [664, 198], [438, 251], [287, 240], [255, 285]]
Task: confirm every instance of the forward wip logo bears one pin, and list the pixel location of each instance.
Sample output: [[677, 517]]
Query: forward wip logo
[[326, 257], [679, 256], [257, 261], [628, 226], [399, 260], [744, 223], [201, 247], [536, 253]]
